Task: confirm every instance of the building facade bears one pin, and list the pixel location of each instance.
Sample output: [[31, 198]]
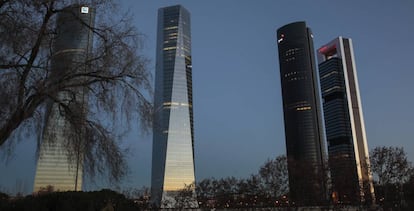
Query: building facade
[[55, 166], [173, 133], [302, 115], [344, 123]]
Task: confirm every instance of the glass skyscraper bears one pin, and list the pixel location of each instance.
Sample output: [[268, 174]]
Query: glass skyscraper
[[302, 115], [55, 166], [344, 123], [173, 133]]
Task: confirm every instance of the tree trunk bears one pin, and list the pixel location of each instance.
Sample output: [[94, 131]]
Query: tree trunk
[[14, 122]]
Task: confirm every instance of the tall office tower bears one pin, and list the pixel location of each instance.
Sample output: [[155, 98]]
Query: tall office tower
[[173, 134], [302, 115], [55, 166], [344, 122]]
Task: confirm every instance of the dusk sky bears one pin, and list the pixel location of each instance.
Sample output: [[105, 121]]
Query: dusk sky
[[238, 115]]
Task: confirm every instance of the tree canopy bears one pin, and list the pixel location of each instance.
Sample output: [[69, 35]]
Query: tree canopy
[[390, 165]]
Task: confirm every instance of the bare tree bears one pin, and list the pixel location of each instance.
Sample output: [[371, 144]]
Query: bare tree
[[274, 175], [390, 164], [262, 189], [392, 169], [114, 76], [186, 198]]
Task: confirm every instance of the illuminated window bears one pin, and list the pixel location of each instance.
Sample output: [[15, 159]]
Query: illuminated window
[[170, 48], [303, 108], [171, 27], [330, 89], [176, 104], [329, 74]]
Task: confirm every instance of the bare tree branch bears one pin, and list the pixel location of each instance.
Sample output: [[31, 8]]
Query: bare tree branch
[[113, 77], [390, 165]]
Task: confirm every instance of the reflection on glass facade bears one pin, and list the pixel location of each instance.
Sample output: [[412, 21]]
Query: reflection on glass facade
[[302, 115], [344, 123], [72, 44], [173, 135]]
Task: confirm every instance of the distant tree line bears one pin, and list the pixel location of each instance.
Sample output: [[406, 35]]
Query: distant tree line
[[267, 188], [393, 179]]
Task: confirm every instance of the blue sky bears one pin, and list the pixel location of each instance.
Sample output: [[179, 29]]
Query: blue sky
[[236, 86]]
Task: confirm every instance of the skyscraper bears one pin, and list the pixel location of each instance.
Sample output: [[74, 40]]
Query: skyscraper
[[302, 115], [344, 122], [173, 133], [55, 166]]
